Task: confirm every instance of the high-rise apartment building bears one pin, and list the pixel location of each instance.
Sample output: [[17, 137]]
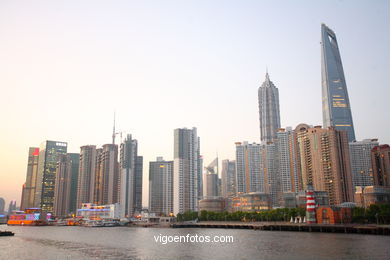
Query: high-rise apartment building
[[62, 186], [270, 173], [130, 177], [288, 160], [187, 170], [28, 193], [87, 175], [65, 191], [361, 165], [161, 187], [380, 158], [249, 175], [109, 181], [325, 162], [336, 108], [269, 113], [228, 176], [49, 153]]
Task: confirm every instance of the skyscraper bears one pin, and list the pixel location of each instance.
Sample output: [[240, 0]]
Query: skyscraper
[[380, 158], [336, 109], [269, 114], [270, 173], [27, 200], [187, 171], [74, 164], [65, 191], [288, 160], [62, 186], [87, 175], [161, 187], [211, 180], [11, 206], [46, 177], [325, 162], [250, 177], [130, 177], [361, 165], [109, 189], [228, 176]]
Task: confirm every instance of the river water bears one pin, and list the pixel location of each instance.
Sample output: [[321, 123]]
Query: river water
[[139, 243]]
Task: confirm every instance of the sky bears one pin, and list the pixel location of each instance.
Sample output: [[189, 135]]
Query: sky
[[66, 66]]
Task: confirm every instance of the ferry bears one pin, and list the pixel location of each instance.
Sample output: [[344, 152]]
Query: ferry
[[29, 217]]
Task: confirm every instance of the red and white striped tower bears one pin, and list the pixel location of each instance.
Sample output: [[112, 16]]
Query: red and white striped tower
[[310, 205]]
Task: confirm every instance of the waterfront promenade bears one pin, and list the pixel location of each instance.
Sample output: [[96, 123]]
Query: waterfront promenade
[[287, 226]]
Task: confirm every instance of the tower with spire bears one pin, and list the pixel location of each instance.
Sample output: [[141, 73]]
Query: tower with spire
[[269, 114]]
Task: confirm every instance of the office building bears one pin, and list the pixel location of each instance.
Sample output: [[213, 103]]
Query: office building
[[361, 165], [187, 172], [336, 108], [211, 180], [161, 187], [269, 113], [49, 153], [28, 192]]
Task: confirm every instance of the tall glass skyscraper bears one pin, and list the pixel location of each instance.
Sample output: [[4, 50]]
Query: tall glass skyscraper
[[336, 109], [49, 153], [269, 113]]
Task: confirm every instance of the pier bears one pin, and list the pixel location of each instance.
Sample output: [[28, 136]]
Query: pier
[[283, 226]]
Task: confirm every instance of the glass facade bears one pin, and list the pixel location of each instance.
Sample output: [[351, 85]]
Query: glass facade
[[47, 166], [336, 108]]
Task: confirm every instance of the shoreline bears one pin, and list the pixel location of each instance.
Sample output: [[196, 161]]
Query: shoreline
[[285, 226]]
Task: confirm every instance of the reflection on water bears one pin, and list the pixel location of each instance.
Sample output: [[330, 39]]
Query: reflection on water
[[138, 243]]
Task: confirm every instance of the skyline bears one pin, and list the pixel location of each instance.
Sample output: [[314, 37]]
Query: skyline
[[221, 72]]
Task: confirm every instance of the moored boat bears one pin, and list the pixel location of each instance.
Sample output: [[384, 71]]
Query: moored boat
[[6, 233]]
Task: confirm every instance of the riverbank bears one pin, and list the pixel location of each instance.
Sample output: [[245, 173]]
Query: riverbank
[[284, 226]]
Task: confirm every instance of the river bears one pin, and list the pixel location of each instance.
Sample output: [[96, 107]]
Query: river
[[75, 243]]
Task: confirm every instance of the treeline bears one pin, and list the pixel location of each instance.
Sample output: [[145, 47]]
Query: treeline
[[282, 214], [375, 214]]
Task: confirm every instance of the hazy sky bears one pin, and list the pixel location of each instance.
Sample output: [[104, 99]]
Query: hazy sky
[[65, 66]]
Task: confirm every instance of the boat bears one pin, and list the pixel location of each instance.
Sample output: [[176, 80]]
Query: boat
[[93, 223], [110, 223], [29, 217], [6, 233]]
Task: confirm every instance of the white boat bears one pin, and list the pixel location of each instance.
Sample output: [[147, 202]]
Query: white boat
[[109, 223], [94, 223]]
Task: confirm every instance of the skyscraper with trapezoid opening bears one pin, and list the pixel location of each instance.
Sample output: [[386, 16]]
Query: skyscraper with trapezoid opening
[[336, 109]]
